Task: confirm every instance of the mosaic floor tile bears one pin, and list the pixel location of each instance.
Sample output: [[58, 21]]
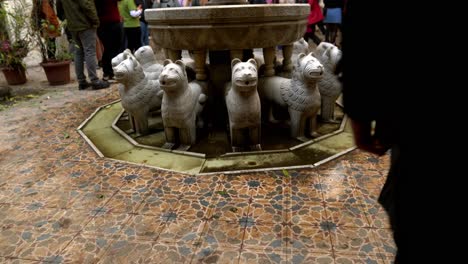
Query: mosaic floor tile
[[158, 205], [106, 224], [305, 213], [252, 257], [143, 228], [266, 237], [138, 182], [222, 234], [262, 185], [166, 253], [123, 251], [292, 238], [354, 259], [198, 187], [369, 180], [84, 249], [187, 231], [37, 218], [91, 200], [225, 208], [18, 261], [347, 215], [337, 193], [308, 258], [44, 246], [354, 241], [126, 202], [193, 208], [271, 211], [216, 255], [307, 189], [12, 240], [377, 216], [71, 221], [385, 242], [52, 198], [53, 186]]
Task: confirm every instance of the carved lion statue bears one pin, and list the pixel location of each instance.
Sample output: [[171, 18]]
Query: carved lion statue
[[146, 58], [300, 95], [329, 86], [243, 105], [139, 94], [182, 105]]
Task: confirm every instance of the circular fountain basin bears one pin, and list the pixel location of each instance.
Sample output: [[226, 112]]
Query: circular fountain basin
[[222, 27]]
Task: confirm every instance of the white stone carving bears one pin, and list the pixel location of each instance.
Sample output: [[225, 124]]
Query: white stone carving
[[147, 59], [330, 87], [243, 105], [300, 46], [139, 94], [300, 95], [182, 105]]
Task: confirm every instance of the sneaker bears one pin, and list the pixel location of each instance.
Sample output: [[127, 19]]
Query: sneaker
[[100, 85], [83, 86]]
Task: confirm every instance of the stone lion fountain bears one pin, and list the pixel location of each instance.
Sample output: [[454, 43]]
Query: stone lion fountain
[[228, 80], [239, 90]]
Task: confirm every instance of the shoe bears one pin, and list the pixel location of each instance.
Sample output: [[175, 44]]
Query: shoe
[[83, 86], [107, 77], [100, 85]]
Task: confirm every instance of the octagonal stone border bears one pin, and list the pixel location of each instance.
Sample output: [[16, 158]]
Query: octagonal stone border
[[119, 146]]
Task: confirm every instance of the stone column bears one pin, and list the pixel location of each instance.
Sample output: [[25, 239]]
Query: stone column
[[287, 53], [237, 54], [173, 55], [200, 59], [269, 56]]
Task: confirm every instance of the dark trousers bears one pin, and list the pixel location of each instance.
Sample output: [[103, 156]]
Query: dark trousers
[[110, 35], [390, 199], [133, 36]]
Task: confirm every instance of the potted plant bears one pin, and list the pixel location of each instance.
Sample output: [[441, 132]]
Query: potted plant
[[47, 27], [15, 40]]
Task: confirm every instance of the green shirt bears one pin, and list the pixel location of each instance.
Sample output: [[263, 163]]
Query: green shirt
[[125, 6], [80, 14]]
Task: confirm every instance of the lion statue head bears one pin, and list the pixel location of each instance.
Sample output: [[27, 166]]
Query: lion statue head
[[328, 54], [244, 75], [307, 69], [173, 78]]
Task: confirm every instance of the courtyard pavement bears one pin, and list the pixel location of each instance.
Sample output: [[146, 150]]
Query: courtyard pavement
[[61, 203]]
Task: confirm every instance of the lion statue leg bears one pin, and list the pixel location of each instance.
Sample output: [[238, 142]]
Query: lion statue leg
[[255, 135], [313, 127], [297, 124], [170, 133], [187, 136], [141, 123]]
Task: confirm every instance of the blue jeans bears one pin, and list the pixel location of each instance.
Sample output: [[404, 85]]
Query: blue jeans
[[144, 34]]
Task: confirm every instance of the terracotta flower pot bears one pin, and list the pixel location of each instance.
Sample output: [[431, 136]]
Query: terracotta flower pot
[[57, 73], [15, 76]]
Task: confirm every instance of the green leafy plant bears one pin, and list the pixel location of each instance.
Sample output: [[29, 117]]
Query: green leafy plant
[[46, 29], [15, 38]]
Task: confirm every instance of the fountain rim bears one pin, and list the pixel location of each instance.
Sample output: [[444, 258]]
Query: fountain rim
[[224, 13]]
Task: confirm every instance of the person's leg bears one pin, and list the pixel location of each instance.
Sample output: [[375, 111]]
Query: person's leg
[[390, 200], [322, 28], [314, 38], [79, 61], [144, 34], [88, 39], [133, 38]]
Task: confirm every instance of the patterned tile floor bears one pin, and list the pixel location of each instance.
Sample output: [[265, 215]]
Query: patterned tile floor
[[61, 203]]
